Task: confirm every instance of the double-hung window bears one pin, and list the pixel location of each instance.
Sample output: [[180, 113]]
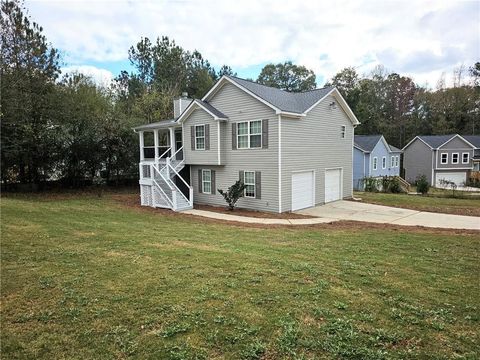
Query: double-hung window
[[375, 163], [200, 137], [397, 161], [444, 158], [384, 162], [249, 181], [465, 158], [455, 158], [392, 161], [206, 181], [249, 134]]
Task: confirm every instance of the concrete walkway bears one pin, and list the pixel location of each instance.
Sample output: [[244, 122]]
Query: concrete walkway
[[350, 210]]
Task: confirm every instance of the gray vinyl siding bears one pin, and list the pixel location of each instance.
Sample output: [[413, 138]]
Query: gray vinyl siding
[[200, 157], [417, 161], [314, 143], [239, 106], [455, 146]]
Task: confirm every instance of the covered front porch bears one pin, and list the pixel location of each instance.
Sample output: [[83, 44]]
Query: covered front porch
[[162, 165]]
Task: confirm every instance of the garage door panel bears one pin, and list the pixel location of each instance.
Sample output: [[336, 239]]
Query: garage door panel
[[303, 190], [333, 185], [458, 177]]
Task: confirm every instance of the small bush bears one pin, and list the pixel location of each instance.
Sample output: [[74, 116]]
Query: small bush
[[422, 184], [233, 193], [371, 184], [391, 184]]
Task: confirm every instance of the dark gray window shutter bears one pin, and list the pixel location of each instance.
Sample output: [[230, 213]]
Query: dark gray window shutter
[[258, 185], [207, 137], [265, 133], [212, 176], [200, 190], [192, 136], [234, 136], [241, 176]]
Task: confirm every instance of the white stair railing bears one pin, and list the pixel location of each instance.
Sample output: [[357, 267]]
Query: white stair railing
[[190, 188], [170, 192]]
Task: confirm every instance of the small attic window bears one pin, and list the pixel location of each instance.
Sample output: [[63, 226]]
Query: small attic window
[[343, 131]]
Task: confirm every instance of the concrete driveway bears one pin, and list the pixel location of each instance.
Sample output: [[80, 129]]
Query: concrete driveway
[[352, 210]]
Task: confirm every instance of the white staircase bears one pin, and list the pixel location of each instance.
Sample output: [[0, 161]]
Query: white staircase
[[164, 191]]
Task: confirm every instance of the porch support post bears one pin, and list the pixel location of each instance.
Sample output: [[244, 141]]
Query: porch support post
[[140, 135], [172, 140], [155, 141]]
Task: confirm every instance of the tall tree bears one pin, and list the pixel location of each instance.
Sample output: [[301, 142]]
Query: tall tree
[[29, 68], [347, 82], [287, 76]]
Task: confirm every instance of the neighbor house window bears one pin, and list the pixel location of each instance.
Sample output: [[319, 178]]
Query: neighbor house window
[[455, 158], [384, 162], [465, 158], [249, 181], [444, 158], [200, 137], [392, 161], [343, 131], [375, 163], [206, 181], [249, 134], [397, 161]]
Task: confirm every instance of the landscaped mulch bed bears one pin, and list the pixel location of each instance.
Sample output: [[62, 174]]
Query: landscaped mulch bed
[[252, 213]]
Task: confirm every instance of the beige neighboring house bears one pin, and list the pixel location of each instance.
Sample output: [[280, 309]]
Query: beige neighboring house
[[292, 150], [442, 157]]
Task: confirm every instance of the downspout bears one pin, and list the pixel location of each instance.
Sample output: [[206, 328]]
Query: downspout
[[279, 163]]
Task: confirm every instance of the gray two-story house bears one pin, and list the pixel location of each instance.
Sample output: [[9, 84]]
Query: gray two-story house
[[441, 157], [291, 150]]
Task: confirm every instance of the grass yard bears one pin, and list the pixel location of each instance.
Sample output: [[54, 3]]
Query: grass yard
[[437, 202], [90, 278]]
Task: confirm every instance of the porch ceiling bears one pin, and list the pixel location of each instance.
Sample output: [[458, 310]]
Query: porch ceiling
[[164, 124]]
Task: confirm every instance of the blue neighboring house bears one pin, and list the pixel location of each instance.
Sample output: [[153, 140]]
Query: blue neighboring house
[[373, 157]]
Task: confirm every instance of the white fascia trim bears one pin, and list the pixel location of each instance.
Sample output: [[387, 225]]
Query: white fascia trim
[[454, 137], [342, 103], [279, 163], [359, 148], [291, 114], [386, 144], [189, 109], [225, 78], [218, 143], [415, 138], [459, 168]]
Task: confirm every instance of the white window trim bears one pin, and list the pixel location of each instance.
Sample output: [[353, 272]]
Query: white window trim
[[397, 161], [384, 162], [446, 158], [375, 163], [392, 161], [468, 158], [343, 132], [199, 137], [248, 134], [254, 187], [458, 158], [203, 181]]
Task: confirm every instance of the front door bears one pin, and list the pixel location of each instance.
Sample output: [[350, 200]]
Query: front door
[[178, 143]]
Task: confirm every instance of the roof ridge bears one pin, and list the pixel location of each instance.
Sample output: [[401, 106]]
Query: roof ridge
[[275, 88]]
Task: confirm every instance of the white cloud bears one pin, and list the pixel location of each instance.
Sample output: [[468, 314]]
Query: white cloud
[[417, 38], [102, 77]]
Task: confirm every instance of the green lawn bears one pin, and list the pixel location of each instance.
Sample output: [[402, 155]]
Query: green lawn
[[88, 278], [436, 202]]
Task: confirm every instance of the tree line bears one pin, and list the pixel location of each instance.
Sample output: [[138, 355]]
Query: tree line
[[68, 129]]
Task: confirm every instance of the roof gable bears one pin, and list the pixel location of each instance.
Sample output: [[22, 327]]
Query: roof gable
[[196, 104], [366, 142]]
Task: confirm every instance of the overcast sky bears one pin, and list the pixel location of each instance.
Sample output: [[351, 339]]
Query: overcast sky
[[421, 39]]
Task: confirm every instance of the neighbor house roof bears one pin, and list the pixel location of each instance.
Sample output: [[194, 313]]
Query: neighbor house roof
[[473, 139], [295, 102], [366, 142], [435, 140], [395, 149]]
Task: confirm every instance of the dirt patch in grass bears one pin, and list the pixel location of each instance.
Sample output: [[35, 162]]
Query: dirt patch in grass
[[252, 213]]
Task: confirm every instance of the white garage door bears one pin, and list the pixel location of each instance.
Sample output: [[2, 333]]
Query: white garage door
[[303, 194], [333, 185], [458, 178]]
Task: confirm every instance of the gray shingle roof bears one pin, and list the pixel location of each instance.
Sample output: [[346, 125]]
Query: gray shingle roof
[[395, 149], [156, 125], [213, 110], [436, 140], [473, 139], [367, 142], [284, 100]]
